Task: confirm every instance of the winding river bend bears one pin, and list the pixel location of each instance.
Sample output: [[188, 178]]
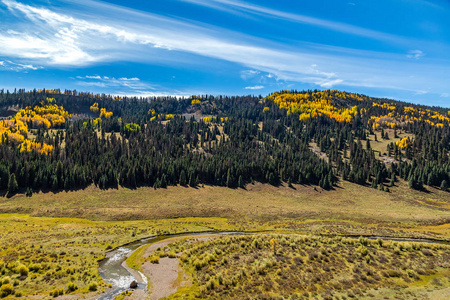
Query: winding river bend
[[113, 270]]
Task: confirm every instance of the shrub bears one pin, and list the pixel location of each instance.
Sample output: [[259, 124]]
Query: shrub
[[22, 270], [211, 284], [380, 242], [18, 294], [393, 273], [92, 286], [6, 289], [154, 259], [71, 287], [57, 292], [363, 250], [35, 267], [412, 274], [5, 280], [363, 241]]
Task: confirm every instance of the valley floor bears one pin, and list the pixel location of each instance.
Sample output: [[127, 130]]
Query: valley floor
[[59, 237]]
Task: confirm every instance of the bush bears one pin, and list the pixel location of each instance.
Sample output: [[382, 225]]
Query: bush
[[363, 250], [18, 294], [412, 274], [363, 241], [6, 289], [393, 273], [57, 292], [5, 280], [154, 259], [35, 267], [92, 286], [22, 270], [71, 287]]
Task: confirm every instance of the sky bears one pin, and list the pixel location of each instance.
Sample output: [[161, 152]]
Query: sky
[[398, 49]]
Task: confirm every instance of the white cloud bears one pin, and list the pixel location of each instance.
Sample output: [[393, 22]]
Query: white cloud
[[421, 92], [14, 66], [330, 83], [256, 87], [94, 32], [445, 95], [234, 6], [415, 54], [129, 79], [248, 74], [134, 83]]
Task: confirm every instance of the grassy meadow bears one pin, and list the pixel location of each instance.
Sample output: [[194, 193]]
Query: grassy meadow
[[272, 266], [50, 243], [50, 257]]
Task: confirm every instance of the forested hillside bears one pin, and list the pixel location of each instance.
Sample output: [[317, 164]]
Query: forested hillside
[[54, 140]]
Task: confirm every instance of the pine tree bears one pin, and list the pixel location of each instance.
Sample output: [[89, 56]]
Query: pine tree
[[29, 192], [164, 181], [444, 185], [12, 184], [183, 178], [192, 182], [392, 179], [229, 179], [241, 182]]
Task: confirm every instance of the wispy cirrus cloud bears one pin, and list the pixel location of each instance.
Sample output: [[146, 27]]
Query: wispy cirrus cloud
[[235, 6], [415, 54], [86, 33], [256, 87], [12, 66], [133, 84]]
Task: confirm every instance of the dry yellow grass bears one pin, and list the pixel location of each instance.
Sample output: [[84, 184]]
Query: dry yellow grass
[[349, 209]]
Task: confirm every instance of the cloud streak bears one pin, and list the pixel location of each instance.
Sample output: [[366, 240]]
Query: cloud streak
[[415, 54], [12, 66], [256, 87], [71, 37], [134, 84], [235, 6]]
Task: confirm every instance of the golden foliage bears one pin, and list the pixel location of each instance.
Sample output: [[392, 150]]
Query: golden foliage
[[46, 116], [311, 105], [94, 107], [215, 119], [106, 114], [403, 143], [266, 109], [195, 101], [42, 148]]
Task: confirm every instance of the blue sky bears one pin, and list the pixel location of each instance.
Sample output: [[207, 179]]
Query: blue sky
[[398, 49]]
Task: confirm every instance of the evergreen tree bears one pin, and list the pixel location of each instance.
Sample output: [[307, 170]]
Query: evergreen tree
[[192, 182], [183, 178], [12, 184], [241, 182], [444, 185]]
